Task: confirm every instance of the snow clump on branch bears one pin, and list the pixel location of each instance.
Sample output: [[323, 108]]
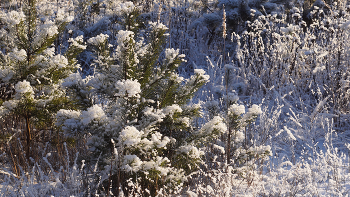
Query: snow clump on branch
[[126, 8], [12, 18], [215, 125], [124, 36], [236, 109], [171, 54], [156, 26], [93, 113], [191, 151], [201, 73], [128, 88], [131, 163], [72, 79], [23, 87], [170, 110], [63, 16], [60, 61], [255, 110], [48, 29], [99, 39], [19, 55], [252, 113], [76, 42], [130, 136]]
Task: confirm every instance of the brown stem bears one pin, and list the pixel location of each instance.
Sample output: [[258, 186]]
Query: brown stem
[[14, 165], [229, 146], [227, 74], [110, 177], [28, 136]]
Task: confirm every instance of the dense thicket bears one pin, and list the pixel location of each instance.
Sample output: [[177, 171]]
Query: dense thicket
[[141, 98]]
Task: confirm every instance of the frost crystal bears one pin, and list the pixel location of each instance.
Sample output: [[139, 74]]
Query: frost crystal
[[129, 88]]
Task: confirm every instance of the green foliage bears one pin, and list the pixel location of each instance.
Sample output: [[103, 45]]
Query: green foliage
[[145, 107], [33, 68]]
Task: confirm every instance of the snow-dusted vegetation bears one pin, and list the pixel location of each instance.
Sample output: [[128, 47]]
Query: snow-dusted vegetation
[[174, 98]]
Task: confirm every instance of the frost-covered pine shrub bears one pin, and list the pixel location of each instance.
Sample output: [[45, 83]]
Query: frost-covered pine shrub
[[140, 123], [32, 70], [234, 145]]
